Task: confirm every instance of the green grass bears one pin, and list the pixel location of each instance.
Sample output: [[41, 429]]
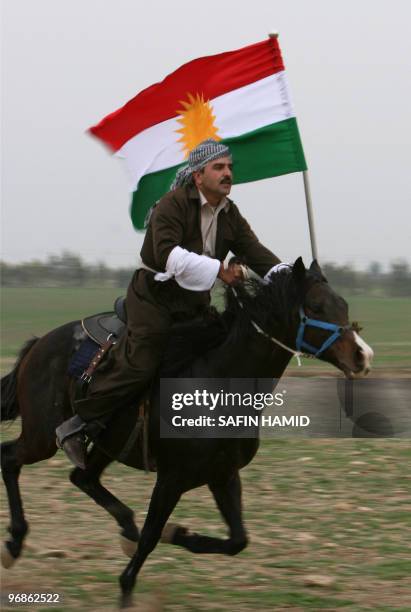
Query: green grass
[[387, 328], [392, 570], [27, 312], [34, 311]]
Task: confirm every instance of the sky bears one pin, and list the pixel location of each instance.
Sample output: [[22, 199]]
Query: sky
[[67, 64]]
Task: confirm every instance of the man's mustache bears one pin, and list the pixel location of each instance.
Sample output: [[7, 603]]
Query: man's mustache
[[226, 181]]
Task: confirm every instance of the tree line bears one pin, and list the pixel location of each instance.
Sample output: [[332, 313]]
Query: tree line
[[69, 270]]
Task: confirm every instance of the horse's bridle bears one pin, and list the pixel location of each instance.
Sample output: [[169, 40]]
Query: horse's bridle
[[337, 332], [309, 350]]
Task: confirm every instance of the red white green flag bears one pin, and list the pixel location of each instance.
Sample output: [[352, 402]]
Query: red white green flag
[[239, 97]]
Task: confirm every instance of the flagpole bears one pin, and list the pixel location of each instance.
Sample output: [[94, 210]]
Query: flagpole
[[310, 215], [307, 191]]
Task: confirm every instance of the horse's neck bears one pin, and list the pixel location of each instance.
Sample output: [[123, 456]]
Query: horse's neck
[[253, 356]]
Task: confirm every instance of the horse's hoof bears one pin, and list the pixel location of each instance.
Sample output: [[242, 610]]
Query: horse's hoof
[[128, 547], [7, 559], [169, 532], [126, 601]]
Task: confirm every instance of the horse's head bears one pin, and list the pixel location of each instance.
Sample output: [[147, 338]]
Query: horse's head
[[323, 324]]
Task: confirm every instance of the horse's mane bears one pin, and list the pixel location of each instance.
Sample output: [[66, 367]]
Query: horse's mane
[[269, 304]]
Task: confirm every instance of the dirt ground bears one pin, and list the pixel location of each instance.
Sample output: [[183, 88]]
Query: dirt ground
[[329, 525]]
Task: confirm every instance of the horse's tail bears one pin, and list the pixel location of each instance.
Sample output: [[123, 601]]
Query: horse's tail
[[9, 405]]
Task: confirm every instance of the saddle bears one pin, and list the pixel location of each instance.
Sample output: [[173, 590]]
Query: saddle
[[102, 331], [100, 327]]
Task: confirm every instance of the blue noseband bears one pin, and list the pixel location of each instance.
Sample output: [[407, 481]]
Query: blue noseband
[[302, 346]]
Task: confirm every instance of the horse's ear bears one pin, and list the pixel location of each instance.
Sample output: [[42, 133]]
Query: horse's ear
[[316, 270], [315, 267], [299, 271]]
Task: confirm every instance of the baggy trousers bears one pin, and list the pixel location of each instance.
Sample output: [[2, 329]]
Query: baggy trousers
[[131, 363]]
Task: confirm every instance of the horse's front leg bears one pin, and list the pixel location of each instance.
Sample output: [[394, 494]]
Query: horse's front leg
[[165, 496], [228, 498]]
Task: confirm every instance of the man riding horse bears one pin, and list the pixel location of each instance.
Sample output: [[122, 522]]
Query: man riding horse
[[189, 233]]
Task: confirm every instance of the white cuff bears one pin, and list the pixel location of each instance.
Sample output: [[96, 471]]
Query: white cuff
[[191, 271], [277, 268]]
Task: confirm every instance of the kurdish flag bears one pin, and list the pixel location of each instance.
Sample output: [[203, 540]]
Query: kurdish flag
[[239, 97]]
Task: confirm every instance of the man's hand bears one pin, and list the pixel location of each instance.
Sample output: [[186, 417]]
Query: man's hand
[[231, 275]]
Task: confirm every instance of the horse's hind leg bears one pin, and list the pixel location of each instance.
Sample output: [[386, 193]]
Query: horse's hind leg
[[18, 527], [228, 499], [88, 480]]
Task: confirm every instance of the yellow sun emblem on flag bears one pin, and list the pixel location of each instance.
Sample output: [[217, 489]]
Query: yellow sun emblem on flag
[[197, 122]]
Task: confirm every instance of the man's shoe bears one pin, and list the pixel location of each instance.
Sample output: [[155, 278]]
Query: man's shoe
[[76, 449], [71, 438]]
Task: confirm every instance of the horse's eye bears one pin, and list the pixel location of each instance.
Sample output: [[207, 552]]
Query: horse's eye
[[315, 307]]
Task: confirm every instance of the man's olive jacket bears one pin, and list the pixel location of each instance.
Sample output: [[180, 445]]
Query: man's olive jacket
[[176, 221]]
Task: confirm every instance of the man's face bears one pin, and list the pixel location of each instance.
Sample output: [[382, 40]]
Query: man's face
[[216, 178]]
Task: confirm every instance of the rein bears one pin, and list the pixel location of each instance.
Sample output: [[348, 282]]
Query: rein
[[300, 343]]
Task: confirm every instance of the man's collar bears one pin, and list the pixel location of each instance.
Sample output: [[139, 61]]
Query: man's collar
[[224, 202]]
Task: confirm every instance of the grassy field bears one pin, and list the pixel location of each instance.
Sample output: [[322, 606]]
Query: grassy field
[[329, 520], [27, 312], [338, 510]]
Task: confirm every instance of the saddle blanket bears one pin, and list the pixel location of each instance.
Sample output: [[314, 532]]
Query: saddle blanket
[[82, 358]]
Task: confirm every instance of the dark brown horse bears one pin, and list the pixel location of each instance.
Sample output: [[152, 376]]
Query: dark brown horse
[[237, 345]]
